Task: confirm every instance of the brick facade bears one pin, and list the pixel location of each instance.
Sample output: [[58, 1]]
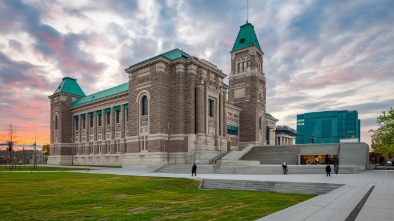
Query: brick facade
[[187, 117]]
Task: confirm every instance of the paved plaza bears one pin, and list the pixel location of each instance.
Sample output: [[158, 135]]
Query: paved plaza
[[337, 205]]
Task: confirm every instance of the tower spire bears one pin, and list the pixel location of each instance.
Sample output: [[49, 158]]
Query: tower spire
[[247, 12]]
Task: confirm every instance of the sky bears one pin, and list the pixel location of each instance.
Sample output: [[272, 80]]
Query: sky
[[318, 55]]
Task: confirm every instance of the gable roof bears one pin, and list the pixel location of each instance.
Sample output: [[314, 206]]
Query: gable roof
[[246, 38], [171, 55], [102, 94], [69, 86]]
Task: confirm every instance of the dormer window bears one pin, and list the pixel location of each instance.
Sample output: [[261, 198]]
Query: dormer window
[[242, 40]]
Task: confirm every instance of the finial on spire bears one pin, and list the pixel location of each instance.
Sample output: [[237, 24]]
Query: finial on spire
[[247, 11]]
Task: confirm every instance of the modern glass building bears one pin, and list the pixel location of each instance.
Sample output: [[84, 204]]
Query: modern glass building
[[327, 126]]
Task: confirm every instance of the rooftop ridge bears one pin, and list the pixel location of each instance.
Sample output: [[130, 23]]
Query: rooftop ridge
[[101, 94]]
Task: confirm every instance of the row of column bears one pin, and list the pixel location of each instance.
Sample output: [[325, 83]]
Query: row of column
[[95, 115], [283, 141]]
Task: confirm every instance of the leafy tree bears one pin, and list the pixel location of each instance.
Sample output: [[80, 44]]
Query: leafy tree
[[9, 136], [383, 137], [45, 149]]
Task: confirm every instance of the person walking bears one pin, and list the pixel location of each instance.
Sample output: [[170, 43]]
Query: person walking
[[328, 170], [284, 166], [336, 168], [194, 169]]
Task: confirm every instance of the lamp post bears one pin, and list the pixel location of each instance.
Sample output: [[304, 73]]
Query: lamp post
[[72, 152], [312, 139]]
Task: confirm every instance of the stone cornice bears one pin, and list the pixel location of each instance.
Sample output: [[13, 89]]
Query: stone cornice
[[194, 61]]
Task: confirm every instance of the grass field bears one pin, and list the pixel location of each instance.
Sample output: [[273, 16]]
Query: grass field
[[75, 196], [38, 168]]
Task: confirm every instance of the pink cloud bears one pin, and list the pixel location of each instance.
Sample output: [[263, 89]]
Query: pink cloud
[[229, 42]]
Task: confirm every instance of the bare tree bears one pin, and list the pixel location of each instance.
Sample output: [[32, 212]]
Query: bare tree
[[9, 136]]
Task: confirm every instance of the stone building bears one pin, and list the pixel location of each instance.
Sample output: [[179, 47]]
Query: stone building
[[174, 108], [285, 135]]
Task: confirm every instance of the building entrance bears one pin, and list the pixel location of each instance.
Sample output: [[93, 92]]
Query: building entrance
[[319, 159]]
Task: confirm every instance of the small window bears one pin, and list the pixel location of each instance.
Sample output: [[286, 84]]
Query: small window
[[76, 124], [108, 118], [144, 103], [91, 121], [99, 120], [232, 130], [210, 108], [242, 40]]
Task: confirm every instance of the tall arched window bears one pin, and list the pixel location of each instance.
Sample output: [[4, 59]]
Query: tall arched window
[[55, 122], [144, 102]]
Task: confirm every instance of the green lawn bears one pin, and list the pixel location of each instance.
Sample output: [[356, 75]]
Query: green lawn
[[8, 168], [75, 196]]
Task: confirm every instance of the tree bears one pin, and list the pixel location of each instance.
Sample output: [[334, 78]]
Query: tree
[[45, 149], [10, 138], [383, 137]]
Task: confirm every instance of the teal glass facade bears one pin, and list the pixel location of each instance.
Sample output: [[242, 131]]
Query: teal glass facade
[[327, 126]]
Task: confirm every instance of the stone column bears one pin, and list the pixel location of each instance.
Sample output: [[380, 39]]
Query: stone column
[[122, 128], [200, 108]]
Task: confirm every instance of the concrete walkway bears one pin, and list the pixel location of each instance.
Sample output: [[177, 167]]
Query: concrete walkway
[[336, 205]]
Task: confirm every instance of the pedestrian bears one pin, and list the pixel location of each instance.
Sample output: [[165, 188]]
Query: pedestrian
[[328, 170], [194, 169], [336, 168], [284, 166]]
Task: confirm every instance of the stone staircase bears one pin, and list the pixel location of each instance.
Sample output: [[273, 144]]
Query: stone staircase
[[270, 186], [259, 169], [273, 154]]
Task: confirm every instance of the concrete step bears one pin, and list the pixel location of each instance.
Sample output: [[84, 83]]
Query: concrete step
[[270, 186]]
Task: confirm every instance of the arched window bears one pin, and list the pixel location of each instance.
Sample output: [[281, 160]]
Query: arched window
[[144, 102], [55, 122]]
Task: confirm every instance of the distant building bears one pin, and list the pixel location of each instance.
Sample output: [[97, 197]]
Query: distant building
[[285, 135], [271, 124], [22, 153], [327, 126]]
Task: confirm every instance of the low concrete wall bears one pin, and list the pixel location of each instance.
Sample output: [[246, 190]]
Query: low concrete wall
[[351, 154], [354, 154]]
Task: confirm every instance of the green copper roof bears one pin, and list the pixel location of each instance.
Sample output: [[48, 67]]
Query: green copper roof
[[102, 94], [246, 38], [269, 115], [69, 86], [172, 55]]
